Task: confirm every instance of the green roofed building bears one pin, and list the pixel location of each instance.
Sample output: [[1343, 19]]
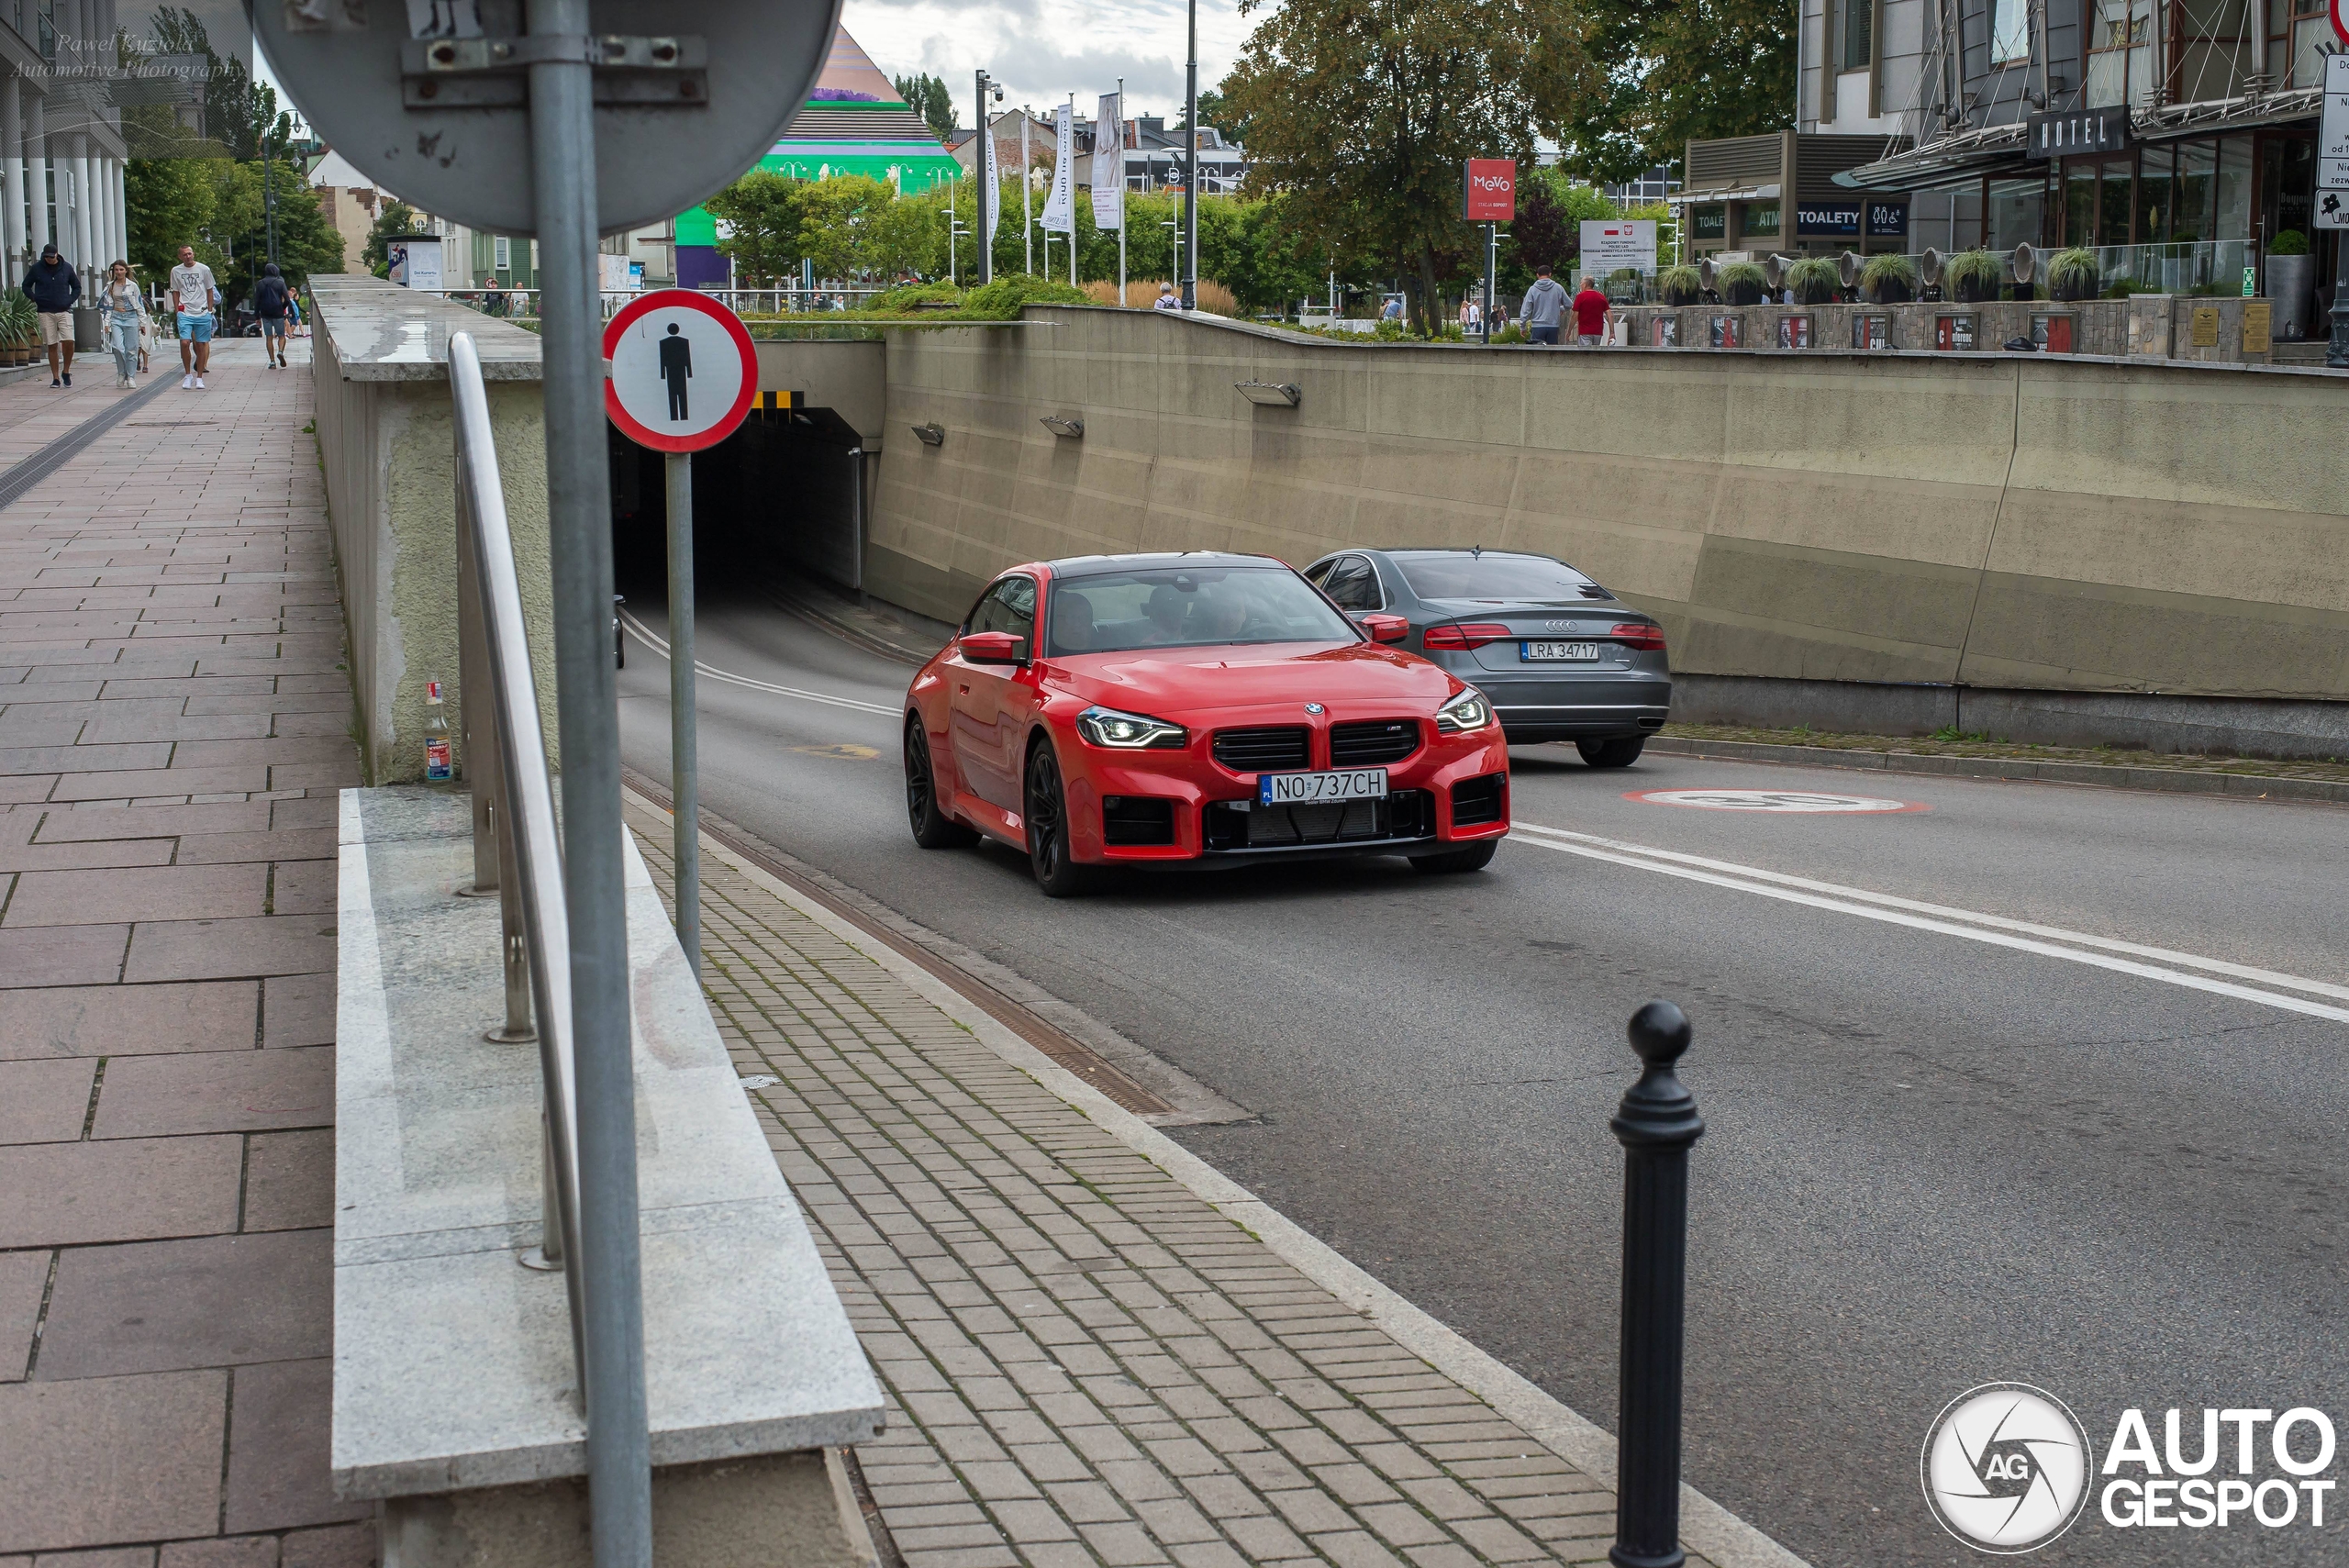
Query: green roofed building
[[852, 123]]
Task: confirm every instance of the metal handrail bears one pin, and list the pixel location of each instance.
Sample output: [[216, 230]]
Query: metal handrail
[[516, 837]]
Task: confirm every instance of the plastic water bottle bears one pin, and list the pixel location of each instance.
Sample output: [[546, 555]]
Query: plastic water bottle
[[436, 735]]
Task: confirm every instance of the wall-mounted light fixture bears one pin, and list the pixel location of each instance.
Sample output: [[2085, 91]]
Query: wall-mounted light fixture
[[1271, 393], [932, 434], [1059, 424]]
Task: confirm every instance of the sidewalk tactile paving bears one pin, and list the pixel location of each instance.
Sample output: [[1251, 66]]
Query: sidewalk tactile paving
[[1086, 1364]]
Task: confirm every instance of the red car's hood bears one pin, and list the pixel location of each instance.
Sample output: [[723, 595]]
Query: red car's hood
[[1168, 683]]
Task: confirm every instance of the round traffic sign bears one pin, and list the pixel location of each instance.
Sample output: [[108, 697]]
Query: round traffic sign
[[1800, 802], [432, 100], [684, 370]]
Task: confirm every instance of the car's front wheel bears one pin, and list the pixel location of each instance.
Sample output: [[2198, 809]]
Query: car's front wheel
[[933, 829], [1476, 857], [1619, 753], [1047, 820]]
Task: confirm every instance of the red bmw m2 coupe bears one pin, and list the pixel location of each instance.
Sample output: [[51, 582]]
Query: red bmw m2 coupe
[[1201, 709]]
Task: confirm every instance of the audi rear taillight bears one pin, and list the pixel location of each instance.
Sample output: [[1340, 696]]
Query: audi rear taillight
[[1475, 634], [1633, 634]]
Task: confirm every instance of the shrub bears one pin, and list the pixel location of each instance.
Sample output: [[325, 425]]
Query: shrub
[[1815, 279], [1978, 269], [1142, 294], [2075, 269], [1001, 300], [1891, 267], [1682, 282], [899, 300], [1740, 275], [2289, 242]]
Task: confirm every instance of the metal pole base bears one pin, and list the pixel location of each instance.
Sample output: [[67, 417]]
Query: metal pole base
[[503, 1034], [535, 1259], [471, 890]]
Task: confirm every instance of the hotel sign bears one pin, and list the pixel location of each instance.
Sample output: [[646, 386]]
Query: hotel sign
[[2069, 133]]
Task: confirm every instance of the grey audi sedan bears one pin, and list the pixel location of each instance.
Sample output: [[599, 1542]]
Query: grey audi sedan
[[1559, 657]]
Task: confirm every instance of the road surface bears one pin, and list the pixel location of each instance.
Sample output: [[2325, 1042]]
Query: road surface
[[2026, 1082]]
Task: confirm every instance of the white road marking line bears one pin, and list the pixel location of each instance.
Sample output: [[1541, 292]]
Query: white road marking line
[[1544, 840], [660, 646], [1943, 911]]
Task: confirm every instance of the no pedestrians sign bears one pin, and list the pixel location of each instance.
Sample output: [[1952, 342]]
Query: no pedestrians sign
[[684, 370]]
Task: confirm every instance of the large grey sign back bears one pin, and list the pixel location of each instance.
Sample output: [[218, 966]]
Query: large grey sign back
[[432, 99]]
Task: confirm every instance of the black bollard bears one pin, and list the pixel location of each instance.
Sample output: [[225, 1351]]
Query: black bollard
[[1656, 1123]]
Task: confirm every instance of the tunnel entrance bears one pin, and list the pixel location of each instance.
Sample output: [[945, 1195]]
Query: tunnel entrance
[[781, 501]]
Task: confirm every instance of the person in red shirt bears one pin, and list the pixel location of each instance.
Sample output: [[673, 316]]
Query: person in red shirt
[[1590, 316]]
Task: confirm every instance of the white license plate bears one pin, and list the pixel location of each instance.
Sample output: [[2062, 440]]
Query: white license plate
[[1312, 789], [1556, 653]]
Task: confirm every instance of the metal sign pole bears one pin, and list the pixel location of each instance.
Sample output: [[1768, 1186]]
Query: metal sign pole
[[1188, 262], [563, 150], [1492, 251], [684, 768]]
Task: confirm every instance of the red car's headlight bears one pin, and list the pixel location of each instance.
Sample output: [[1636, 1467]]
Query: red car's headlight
[[1130, 731], [1464, 713]]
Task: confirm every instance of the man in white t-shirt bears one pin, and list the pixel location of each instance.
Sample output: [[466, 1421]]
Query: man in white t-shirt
[[194, 296]]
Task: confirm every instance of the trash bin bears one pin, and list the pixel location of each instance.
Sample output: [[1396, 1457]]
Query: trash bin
[[89, 330]]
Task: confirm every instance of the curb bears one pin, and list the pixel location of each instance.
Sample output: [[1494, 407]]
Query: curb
[[807, 608], [2168, 781], [1706, 1526]]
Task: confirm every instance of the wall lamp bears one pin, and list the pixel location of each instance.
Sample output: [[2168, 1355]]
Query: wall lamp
[[1060, 426], [1271, 394], [932, 434]]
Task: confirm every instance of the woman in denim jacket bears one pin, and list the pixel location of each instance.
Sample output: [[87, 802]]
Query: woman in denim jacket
[[126, 314]]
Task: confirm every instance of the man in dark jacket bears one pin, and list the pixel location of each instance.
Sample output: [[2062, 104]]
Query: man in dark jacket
[[54, 286]]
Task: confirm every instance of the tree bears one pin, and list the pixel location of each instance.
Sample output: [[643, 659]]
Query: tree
[[854, 225], [1548, 228], [928, 97], [1364, 111], [1218, 113], [396, 217], [762, 212], [307, 243], [1676, 71], [169, 201]]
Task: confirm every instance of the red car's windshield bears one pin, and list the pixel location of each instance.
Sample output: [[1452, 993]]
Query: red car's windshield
[[1118, 612]]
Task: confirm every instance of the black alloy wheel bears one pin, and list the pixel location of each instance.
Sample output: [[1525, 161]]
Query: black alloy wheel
[[1619, 753], [933, 829], [1476, 857], [1047, 817]]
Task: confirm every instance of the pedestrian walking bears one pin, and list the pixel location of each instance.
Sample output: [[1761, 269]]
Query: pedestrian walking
[[270, 298], [194, 296], [1167, 298], [294, 312], [53, 287], [1590, 316], [1544, 306], [125, 318]]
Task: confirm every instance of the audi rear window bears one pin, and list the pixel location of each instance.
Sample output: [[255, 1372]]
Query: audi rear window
[[1497, 577], [1119, 612]]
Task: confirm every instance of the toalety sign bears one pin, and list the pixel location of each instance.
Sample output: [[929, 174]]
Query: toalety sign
[[1880, 217], [2007, 1468]]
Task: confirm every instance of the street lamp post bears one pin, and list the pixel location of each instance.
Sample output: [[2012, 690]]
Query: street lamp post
[[1188, 264]]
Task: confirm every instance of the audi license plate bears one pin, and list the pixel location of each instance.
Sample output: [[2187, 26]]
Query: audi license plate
[[1557, 653], [1311, 789]]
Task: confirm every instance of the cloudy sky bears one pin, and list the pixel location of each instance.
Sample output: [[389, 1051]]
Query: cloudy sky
[[1042, 50]]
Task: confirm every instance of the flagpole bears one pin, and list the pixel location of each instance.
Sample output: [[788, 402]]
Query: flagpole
[[1027, 212], [1071, 190], [1187, 263], [1121, 192]]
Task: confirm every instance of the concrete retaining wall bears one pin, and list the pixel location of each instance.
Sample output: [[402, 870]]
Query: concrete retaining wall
[[387, 439], [2032, 522]]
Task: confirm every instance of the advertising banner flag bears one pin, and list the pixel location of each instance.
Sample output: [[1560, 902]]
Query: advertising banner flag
[[1109, 162], [990, 187], [1060, 207], [1488, 190]]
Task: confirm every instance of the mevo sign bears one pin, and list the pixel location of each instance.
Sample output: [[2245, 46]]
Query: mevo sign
[[1490, 191]]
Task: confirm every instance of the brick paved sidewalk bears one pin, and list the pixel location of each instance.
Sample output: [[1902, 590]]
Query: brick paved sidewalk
[[1086, 1362], [174, 725]]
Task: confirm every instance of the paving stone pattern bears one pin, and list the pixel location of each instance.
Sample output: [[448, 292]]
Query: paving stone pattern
[[173, 716], [1085, 1363]]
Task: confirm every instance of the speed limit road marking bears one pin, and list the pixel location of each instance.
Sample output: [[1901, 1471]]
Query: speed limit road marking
[[1802, 802]]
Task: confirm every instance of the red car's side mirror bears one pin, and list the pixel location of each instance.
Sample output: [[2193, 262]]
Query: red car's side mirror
[[992, 647], [1386, 627]]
